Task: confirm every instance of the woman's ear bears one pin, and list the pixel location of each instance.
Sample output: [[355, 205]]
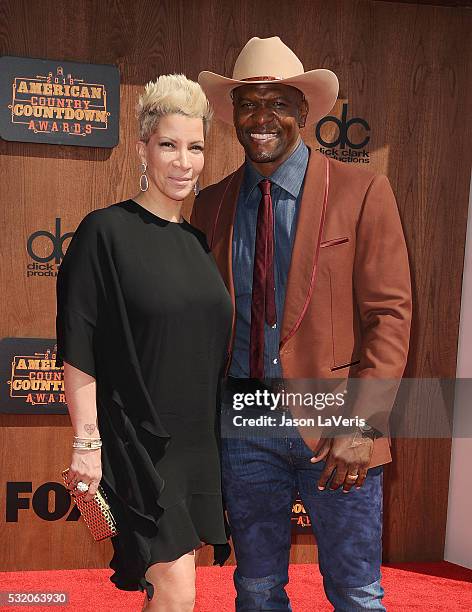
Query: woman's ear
[[141, 151]]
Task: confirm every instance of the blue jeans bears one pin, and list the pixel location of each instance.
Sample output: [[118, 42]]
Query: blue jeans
[[260, 479]]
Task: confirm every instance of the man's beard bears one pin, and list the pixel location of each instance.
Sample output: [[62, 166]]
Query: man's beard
[[264, 156]]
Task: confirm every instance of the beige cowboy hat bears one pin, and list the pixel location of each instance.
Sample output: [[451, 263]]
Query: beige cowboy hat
[[266, 60]]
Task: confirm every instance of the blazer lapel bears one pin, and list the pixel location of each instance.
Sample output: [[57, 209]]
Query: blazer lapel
[[221, 242], [306, 246]]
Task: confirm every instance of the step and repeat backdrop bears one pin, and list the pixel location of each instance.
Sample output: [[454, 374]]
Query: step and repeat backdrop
[[70, 77]]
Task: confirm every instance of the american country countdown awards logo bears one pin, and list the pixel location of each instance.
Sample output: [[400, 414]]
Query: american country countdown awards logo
[[46, 250], [32, 383], [300, 519], [348, 140], [59, 102]]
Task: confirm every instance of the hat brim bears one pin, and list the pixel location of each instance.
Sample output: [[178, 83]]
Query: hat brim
[[320, 88]]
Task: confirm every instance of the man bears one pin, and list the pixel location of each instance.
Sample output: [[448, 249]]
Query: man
[[313, 254]]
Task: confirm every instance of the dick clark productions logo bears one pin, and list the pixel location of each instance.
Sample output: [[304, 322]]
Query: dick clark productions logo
[[46, 249], [343, 147]]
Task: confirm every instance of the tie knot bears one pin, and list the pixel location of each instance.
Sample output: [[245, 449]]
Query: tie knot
[[264, 186]]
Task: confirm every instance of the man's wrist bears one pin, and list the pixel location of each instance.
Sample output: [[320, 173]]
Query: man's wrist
[[359, 432], [367, 431]]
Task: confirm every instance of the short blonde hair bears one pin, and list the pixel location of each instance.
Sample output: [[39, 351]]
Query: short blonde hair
[[168, 94]]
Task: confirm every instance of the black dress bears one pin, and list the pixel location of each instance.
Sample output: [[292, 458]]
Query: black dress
[[142, 308]]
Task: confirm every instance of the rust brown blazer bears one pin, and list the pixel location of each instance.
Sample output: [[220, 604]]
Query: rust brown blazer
[[348, 302]]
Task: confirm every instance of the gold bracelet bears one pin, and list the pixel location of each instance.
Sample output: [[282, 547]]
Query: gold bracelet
[[87, 444]]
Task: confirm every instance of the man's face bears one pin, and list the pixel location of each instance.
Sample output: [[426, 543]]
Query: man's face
[[267, 118]]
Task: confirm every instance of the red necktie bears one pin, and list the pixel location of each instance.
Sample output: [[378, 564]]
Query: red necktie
[[263, 287]]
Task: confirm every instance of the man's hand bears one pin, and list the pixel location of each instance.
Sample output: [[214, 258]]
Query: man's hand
[[349, 455]]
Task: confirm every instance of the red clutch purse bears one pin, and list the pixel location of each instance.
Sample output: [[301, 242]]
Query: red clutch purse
[[96, 513]]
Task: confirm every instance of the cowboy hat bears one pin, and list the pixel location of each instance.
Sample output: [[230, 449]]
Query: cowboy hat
[[269, 60]]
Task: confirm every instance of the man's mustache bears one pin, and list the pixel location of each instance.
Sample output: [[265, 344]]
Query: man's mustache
[[273, 130]]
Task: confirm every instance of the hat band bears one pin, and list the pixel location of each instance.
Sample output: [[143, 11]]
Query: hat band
[[263, 78]]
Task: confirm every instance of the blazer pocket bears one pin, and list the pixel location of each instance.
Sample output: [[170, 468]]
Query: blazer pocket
[[334, 242], [346, 365]]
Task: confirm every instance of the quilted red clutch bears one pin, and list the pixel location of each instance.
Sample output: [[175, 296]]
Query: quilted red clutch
[[96, 513]]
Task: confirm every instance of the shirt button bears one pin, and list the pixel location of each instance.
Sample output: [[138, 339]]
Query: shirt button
[[275, 361], [274, 326]]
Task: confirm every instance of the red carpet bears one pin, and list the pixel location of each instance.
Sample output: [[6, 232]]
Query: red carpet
[[409, 586]]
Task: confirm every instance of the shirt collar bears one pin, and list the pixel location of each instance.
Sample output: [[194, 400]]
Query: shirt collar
[[288, 176]]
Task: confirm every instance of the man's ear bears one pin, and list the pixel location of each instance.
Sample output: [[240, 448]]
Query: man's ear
[[303, 113]]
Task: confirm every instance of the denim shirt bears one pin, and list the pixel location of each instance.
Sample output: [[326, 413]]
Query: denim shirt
[[286, 190]]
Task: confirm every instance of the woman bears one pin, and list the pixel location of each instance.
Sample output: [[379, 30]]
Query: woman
[[143, 324]]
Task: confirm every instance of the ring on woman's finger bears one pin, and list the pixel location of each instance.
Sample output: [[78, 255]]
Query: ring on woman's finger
[[353, 476], [83, 487]]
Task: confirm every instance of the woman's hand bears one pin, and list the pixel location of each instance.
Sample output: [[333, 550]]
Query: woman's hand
[[85, 466]]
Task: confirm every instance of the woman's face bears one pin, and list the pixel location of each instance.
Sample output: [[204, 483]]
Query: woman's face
[[174, 155]]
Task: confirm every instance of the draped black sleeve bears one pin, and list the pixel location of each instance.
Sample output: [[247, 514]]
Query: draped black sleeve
[[77, 298]]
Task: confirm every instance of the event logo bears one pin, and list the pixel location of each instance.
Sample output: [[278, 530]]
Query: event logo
[[34, 383], [40, 501], [46, 250], [36, 379], [345, 146], [59, 102], [300, 518]]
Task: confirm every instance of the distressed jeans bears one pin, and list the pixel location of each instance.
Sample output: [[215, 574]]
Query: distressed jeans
[[260, 479]]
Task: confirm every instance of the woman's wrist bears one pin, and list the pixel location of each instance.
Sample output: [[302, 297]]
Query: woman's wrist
[[86, 443], [85, 430]]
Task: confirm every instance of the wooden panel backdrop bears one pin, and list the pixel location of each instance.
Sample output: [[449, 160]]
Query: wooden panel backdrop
[[402, 67]]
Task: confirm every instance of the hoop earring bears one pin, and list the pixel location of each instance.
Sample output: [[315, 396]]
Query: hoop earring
[[143, 179], [196, 188]]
